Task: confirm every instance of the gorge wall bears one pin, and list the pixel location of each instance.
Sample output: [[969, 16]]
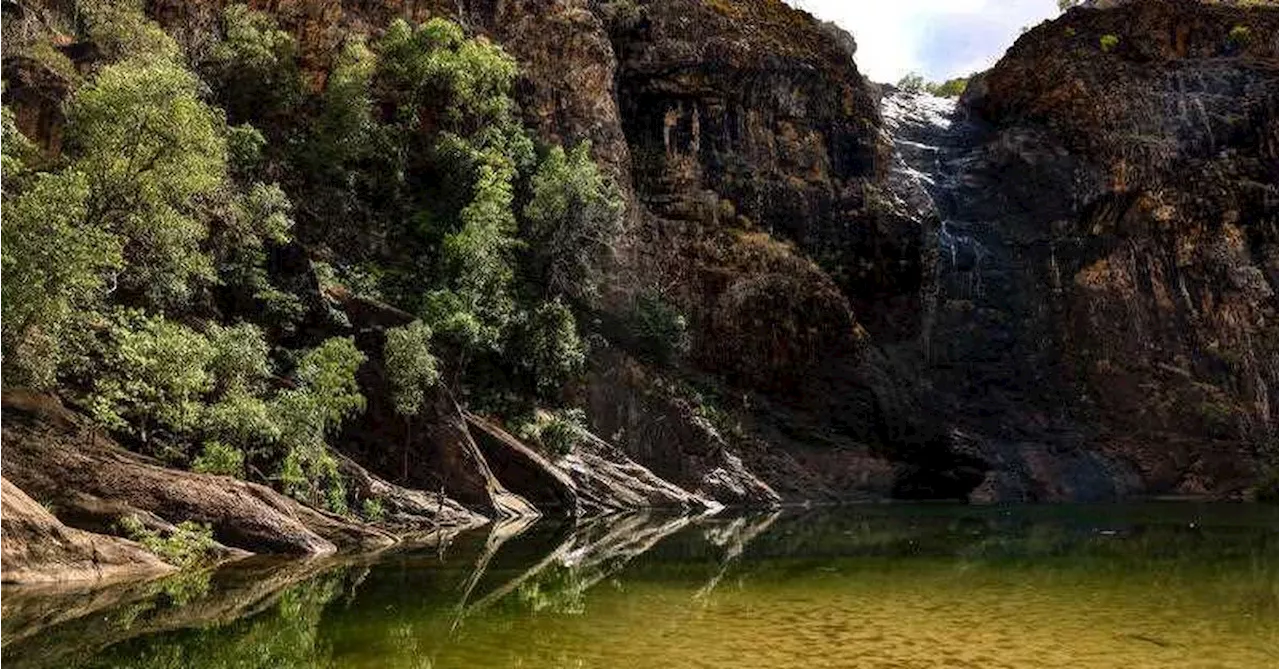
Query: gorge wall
[[1060, 288]]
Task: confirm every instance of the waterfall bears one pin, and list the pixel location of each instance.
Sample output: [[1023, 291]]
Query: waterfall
[[931, 142]]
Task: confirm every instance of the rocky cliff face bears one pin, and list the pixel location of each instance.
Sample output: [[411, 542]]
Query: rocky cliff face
[[1062, 288], [1122, 207]]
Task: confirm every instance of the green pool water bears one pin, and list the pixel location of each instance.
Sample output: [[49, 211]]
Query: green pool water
[[1156, 585]]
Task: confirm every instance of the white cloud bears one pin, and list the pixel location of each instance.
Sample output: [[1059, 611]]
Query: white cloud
[[937, 38]]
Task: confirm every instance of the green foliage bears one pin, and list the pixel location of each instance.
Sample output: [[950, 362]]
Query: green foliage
[[56, 271], [411, 369], [45, 53], [951, 88], [372, 510], [121, 30], [249, 423], [477, 257], [341, 132], [328, 376], [218, 458], [310, 473], [915, 83], [254, 66], [1064, 5], [463, 87], [659, 328], [552, 351], [436, 59], [240, 362], [1108, 42], [558, 432], [911, 83], [15, 149], [152, 373], [559, 589], [1239, 36], [189, 544], [326, 396], [254, 220], [149, 148], [151, 222], [571, 222]]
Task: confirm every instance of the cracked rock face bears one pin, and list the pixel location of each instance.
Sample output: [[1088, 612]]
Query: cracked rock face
[[1060, 287], [1106, 309]]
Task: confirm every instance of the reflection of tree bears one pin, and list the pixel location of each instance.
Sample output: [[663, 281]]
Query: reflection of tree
[[243, 615], [596, 549], [558, 589], [734, 538]]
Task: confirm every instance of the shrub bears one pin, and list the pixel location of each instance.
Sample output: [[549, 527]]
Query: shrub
[[411, 369], [660, 330], [218, 458], [371, 509], [1238, 37], [243, 421], [558, 432], [189, 544], [1108, 42], [951, 88], [310, 473]]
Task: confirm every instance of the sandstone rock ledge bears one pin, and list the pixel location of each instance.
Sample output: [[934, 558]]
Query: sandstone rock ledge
[[54, 460], [38, 548]]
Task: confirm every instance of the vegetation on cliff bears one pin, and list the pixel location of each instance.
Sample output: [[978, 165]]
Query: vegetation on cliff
[[141, 256]]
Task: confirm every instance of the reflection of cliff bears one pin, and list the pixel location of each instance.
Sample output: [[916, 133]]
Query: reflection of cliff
[[283, 599], [276, 607], [458, 604]]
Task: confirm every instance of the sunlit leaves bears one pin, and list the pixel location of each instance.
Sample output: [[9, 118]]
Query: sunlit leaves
[[150, 148], [411, 368]]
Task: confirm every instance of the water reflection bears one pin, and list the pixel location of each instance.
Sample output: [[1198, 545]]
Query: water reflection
[[1157, 585]]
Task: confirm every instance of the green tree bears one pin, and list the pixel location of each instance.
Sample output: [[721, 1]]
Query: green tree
[[466, 87], [327, 393], [149, 149], [911, 83], [551, 350], [951, 88], [254, 67], [153, 375], [57, 272], [571, 222], [411, 368], [120, 30], [15, 149]]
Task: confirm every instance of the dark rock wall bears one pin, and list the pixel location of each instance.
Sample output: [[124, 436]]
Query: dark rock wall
[[1088, 313], [1127, 201]]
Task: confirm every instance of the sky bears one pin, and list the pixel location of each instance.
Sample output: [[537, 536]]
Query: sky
[[939, 39]]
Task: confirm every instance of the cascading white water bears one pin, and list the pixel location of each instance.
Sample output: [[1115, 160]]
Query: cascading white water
[[929, 142]]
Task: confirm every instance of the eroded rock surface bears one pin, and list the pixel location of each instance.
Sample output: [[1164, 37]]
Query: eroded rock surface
[[38, 548]]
